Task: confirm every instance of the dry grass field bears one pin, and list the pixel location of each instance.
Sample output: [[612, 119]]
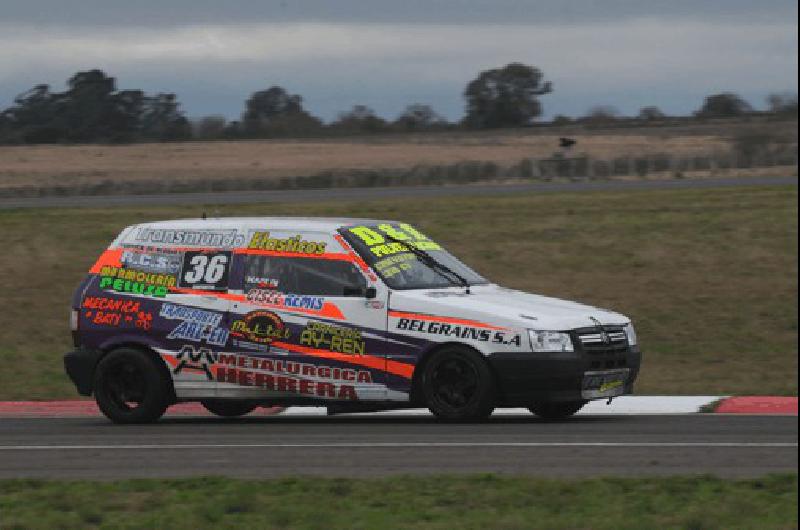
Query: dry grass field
[[55, 165]]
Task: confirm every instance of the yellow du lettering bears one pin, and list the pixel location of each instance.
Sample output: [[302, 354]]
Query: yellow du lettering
[[393, 232], [368, 236]]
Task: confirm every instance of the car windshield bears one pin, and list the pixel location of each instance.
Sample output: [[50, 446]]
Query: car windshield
[[383, 247]]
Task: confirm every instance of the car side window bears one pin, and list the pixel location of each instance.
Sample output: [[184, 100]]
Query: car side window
[[307, 276]]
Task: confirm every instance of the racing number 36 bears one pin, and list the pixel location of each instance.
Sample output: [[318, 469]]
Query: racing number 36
[[205, 270]]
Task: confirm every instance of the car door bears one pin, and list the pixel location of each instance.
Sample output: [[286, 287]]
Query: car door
[[309, 322]]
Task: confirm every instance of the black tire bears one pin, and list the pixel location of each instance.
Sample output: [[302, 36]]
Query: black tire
[[228, 408], [556, 410], [458, 386], [130, 387]]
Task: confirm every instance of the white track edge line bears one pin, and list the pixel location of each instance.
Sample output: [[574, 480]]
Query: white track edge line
[[394, 445]]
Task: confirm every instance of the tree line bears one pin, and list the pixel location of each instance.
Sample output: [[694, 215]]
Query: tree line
[[94, 110]]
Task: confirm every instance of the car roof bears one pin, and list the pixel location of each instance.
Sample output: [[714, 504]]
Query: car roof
[[313, 224]]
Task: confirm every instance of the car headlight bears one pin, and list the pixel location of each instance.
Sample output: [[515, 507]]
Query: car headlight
[[631, 334], [550, 341]]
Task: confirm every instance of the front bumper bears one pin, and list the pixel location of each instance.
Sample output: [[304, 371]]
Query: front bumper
[[79, 365], [526, 378]]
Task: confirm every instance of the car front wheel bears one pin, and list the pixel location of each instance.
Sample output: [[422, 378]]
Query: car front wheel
[[458, 386]]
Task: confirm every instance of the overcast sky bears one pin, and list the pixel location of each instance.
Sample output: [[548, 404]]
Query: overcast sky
[[387, 54]]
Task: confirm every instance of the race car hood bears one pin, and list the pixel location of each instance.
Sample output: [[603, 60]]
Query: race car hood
[[497, 305]]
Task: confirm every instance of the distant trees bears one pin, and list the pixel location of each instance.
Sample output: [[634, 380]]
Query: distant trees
[[92, 110], [162, 119], [418, 117], [359, 119], [209, 127], [561, 119], [783, 104], [276, 112], [505, 97], [601, 115], [724, 105], [32, 117], [651, 113]]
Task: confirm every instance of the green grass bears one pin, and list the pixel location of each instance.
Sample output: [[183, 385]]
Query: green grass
[[709, 276], [478, 502]]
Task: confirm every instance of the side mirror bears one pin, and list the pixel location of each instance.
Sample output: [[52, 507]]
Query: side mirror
[[370, 293]]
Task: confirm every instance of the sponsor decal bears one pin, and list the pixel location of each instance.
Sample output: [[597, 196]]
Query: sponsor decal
[[264, 297], [333, 338], [197, 325], [127, 286], [393, 265], [303, 302], [374, 237], [294, 245], [247, 345], [290, 301], [261, 327], [157, 262], [193, 358], [461, 331], [605, 387], [291, 377], [126, 280], [146, 278], [205, 270], [268, 283], [223, 238], [374, 304], [115, 312]]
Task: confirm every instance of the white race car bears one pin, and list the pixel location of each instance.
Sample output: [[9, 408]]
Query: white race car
[[353, 314]]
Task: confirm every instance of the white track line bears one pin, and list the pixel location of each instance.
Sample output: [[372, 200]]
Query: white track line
[[622, 405], [390, 445]]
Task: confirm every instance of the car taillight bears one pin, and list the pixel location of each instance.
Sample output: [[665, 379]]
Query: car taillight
[[73, 320]]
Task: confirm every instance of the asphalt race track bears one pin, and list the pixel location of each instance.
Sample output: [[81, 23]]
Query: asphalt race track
[[365, 445], [357, 194]]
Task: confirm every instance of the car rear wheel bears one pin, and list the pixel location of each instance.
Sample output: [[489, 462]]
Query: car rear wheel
[[556, 410], [130, 387], [228, 408], [458, 386]]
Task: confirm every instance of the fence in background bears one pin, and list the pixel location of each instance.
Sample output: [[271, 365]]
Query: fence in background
[[644, 165], [577, 167]]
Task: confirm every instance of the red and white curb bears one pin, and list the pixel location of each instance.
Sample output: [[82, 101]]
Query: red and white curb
[[620, 405], [757, 405]]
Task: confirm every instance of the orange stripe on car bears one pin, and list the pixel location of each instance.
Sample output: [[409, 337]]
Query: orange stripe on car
[[112, 257], [336, 256], [448, 320], [355, 258], [329, 309], [169, 358], [369, 361], [211, 294]]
